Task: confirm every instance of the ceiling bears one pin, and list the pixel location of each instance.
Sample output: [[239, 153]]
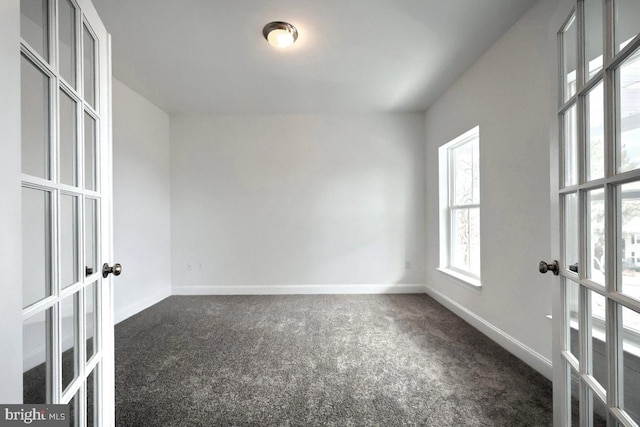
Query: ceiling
[[209, 56]]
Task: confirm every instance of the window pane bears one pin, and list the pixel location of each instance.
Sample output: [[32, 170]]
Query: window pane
[[69, 255], [595, 236], [629, 241], [573, 314], [628, 113], [571, 230], [598, 338], [466, 171], [570, 55], [36, 245], [570, 147], [91, 311], [599, 412], [67, 41], [631, 357], [68, 338], [465, 240], [89, 152], [92, 416], [68, 140], [89, 56], [593, 35], [34, 25], [627, 16], [35, 120], [90, 234], [572, 394], [595, 133], [74, 410], [35, 357]]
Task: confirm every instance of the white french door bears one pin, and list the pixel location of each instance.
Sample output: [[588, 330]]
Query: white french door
[[597, 317], [66, 209]]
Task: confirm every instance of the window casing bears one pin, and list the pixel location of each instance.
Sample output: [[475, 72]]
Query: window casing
[[460, 207]]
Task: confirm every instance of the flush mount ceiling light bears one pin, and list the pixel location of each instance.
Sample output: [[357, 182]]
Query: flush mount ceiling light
[[280, 34]]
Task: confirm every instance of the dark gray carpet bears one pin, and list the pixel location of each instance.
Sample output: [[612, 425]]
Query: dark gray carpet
[[361, 360]]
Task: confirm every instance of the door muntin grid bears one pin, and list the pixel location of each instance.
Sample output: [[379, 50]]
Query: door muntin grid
[[600, 143]]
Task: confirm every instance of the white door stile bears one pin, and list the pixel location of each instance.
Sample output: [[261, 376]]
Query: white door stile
[[10, 211], [107, 375], [560, 339]]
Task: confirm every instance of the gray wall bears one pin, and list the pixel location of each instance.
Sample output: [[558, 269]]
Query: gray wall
[[507, 92], [141, 202], [317, 203]]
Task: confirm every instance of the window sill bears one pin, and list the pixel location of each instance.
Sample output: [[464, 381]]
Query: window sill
[[461, 278]]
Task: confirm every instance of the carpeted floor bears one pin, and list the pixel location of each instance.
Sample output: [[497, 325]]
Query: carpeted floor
[[341, 360]]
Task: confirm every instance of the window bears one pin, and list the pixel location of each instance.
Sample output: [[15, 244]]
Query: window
[[460, 207]]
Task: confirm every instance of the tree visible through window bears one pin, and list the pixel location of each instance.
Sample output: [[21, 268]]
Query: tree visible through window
[[461, 215]]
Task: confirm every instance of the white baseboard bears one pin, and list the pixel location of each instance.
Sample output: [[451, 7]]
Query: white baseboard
[[298, 289], [125, 312], [512, 345]]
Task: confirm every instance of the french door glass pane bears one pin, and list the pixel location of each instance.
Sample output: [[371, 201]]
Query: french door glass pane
[[68, 140], [573, 394], [35, 360], [73, 410], [67, 40], [595, 236], [573, 315], [628, 113], [570, 55], [466, 187], [36, 245], [91, 405], [465, 238], [89, 56], [90, 234], [90, 152], [69, 254], [599, 412], [631, 371], [34, 25], [629, 241], [627, 16], [68, 338], [598, 338], [91, 312], [593, 34], [570, 147], [595, 133], [571, 230], [36, 145]]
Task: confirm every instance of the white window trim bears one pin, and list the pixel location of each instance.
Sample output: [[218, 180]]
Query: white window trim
[[444, 181]]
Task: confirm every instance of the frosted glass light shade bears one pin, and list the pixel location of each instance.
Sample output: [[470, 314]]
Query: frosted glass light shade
[[280, 34], [280, 38]]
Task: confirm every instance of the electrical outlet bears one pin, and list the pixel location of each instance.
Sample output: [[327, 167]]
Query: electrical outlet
[[407, 265]]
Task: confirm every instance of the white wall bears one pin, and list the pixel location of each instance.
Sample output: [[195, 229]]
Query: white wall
[[10, 208], [297, 203], [507, 92], [142, 202]]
